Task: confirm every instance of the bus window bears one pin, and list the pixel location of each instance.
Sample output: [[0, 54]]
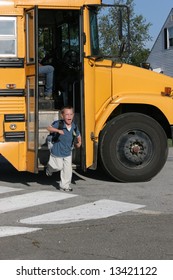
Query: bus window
[[70, 38], [30, 37], [58, 45], [8, 37]]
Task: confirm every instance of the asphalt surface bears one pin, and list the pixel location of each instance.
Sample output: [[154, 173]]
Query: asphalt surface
[[141, 227]]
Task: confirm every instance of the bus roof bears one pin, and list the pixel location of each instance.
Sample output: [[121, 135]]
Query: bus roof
[[63, 3]]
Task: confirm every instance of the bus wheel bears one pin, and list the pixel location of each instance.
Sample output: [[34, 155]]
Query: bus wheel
[[133, 147]]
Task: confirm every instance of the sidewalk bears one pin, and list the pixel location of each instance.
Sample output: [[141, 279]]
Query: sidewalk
[[170, 154]]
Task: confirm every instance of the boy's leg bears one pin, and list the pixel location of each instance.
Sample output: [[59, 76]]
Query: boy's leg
[[49, 71], [66, 173], [55, 164]]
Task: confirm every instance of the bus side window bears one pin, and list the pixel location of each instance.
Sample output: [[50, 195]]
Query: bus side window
[[8, 37]]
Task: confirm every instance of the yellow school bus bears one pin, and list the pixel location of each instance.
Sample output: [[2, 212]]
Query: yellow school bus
[[125, 113]]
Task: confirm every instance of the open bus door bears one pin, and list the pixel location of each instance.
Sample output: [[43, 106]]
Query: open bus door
[[31, 27], [89, 98], [98, 65]]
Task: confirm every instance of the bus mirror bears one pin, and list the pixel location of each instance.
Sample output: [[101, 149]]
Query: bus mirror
[[145, 65], [120, 25]]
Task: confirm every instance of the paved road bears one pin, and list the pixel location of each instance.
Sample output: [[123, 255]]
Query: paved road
[[100, 219]]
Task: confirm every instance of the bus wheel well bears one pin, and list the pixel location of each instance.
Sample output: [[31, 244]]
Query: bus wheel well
[[145, 109]]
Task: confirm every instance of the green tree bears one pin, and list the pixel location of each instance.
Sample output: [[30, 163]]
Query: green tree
[[139, 33]]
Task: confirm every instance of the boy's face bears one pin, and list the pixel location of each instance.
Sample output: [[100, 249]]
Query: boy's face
[[68, 116]]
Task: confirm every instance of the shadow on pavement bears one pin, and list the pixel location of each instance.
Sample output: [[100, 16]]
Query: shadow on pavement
[[9, 174]]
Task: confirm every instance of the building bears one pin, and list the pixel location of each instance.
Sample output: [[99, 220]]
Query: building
[[161, 55]]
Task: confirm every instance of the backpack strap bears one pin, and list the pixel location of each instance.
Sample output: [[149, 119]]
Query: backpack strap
[[56, 134], [61, 124], [74, 134]]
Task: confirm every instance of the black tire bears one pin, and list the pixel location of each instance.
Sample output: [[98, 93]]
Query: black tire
[[133, 147]]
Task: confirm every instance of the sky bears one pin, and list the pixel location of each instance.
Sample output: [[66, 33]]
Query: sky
[[154, 11]]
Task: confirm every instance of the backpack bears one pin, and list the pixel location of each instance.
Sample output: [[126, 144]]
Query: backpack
[[54, 136]]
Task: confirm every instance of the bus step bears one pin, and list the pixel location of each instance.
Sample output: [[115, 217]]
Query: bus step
[[46, 104], [47, 117]]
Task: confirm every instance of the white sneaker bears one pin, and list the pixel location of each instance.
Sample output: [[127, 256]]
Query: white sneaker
[[66, 189], [48, 173], [48, 97]]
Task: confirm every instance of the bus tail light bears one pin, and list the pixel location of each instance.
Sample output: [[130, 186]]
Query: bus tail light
[[11, 86]]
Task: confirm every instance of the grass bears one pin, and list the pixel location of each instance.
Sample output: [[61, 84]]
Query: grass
[[170, 143]]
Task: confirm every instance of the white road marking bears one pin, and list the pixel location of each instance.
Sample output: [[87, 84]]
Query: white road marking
[[8, 189], [148, 212], [31, 199], [9, 231], [90, 211]]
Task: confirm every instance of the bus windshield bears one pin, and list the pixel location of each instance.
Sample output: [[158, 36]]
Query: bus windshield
[[109, 33]]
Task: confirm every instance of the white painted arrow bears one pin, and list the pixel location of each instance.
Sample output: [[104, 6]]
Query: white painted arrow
[[8, 189], [31, 199], [90, 211], [9, 231]]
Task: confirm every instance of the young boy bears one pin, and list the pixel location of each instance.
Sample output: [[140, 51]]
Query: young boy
[[61, 152]]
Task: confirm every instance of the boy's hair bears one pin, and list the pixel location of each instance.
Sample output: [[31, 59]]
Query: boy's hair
[[66, 107]]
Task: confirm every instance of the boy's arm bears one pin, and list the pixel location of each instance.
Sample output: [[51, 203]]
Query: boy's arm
[[79, 142], [53, 129]]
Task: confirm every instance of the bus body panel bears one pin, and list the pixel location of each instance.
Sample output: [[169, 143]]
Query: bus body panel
[[12, 76], [146, 89], [15, 153], [55, 3]]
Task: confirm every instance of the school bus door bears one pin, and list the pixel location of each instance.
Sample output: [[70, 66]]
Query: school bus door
[[31, 27], [89, 91]]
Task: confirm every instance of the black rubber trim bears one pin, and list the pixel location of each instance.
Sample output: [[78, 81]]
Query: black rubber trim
[[14, 136], [14, 118], [12, 92], [12, 62]]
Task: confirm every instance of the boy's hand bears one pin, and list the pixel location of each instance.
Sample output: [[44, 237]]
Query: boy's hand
[[78, 142], [77, 145], [60, 131]]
